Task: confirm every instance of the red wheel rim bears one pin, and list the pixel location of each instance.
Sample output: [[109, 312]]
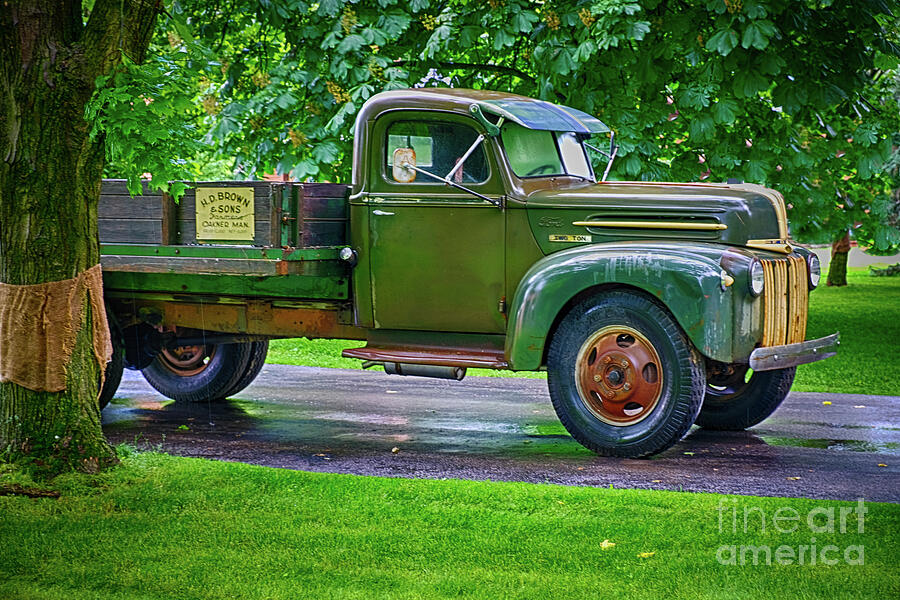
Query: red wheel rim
[[187, 360], [619, 375]]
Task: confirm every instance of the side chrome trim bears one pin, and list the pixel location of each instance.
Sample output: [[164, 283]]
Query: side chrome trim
[[653, 225]]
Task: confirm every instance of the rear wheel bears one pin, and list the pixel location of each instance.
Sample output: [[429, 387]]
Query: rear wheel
[[255, 363], [112, 376], [737, 398], [623, 378], [205, 372]]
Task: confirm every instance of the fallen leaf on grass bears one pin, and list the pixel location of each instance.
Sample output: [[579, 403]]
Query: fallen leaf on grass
[[606, 544], [395, 450], [645, 554]]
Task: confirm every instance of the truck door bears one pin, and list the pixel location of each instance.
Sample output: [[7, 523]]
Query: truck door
[[436, 252]]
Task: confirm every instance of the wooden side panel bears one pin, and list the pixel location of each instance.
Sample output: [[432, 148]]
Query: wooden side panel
[[123, 219], [323, 214], [293, 214]]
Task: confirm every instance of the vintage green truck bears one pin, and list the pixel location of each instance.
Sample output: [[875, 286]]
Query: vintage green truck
[[475, 234]]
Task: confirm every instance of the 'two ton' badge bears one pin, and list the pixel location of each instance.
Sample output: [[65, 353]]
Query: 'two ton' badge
[[225, 214]]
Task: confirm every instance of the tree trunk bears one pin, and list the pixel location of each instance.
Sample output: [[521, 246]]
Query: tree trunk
[[837, 268], [50, 178]]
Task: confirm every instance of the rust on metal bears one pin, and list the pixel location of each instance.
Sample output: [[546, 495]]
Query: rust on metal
[[261, 318], [618, 375]]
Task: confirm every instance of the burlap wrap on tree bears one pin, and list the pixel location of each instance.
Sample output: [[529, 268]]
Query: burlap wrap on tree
[[38, 327]]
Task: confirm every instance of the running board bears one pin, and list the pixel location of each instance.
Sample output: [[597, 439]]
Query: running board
[[430, 355]]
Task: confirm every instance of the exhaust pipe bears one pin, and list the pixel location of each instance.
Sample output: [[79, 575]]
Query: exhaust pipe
[[438, 372]]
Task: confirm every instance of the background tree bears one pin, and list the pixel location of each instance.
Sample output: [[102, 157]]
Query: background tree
[[51, 54], [791, 94]]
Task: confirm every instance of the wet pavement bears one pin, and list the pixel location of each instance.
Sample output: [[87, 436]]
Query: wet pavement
[[348, 421]]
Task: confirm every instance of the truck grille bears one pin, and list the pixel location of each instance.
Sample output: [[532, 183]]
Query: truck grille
[[786, 297]]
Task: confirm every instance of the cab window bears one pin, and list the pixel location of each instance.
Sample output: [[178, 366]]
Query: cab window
[[438, 147]]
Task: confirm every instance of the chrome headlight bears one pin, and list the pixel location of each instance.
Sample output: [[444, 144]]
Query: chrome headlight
[[757, 278], [814, 269]]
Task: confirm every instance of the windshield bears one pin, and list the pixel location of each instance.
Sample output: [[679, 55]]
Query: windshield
[[538, 153]]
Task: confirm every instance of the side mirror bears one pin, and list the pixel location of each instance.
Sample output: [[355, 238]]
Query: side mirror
[[399, 170]]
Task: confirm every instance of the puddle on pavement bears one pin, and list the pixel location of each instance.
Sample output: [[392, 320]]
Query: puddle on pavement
[[830, 444]]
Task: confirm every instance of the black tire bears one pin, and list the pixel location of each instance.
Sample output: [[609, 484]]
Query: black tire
[[199, 373], [257, 359], [734, 402], [650, 406], [113, 375]]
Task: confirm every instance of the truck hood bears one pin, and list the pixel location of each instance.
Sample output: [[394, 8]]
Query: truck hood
[[736, 214]]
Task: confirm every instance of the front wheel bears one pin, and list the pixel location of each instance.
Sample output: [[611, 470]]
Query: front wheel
[[737, 398], [206, 372], [623, 378]]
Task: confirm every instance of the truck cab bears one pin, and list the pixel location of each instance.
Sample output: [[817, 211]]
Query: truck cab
[[479, 234]]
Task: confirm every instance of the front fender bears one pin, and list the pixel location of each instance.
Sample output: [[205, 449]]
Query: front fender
[[686, 278]]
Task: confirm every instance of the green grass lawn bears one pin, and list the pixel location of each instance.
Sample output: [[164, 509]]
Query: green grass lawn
[[866, 312], [168, 527]]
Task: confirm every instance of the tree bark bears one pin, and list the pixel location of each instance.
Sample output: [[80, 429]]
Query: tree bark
[[837, 268], [50, 176]]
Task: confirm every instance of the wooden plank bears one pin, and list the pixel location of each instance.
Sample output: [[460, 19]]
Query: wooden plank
[[321, 232], [169, 217], [131, 231], [325, 190], [119, 187], [325, 208], [118, 206]]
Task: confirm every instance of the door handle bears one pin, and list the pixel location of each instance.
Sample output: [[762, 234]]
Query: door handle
[[382, 213]]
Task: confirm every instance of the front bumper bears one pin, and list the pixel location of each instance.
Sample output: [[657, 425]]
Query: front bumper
[[791, 355]]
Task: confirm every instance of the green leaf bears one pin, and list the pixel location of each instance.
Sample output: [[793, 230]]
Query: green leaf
[[563, 63], [757, 34], [702, 128], [585, 50], [632, 164], [696, 96], [637, 30], [393, 23], [503, 38], [329, 7], [326, 152], [725, 111], [524, 20], [723, 41], [285, 100], [748, 82], [350, 43]]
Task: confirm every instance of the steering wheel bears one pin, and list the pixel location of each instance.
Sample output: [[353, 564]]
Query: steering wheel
[[540, 170]]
